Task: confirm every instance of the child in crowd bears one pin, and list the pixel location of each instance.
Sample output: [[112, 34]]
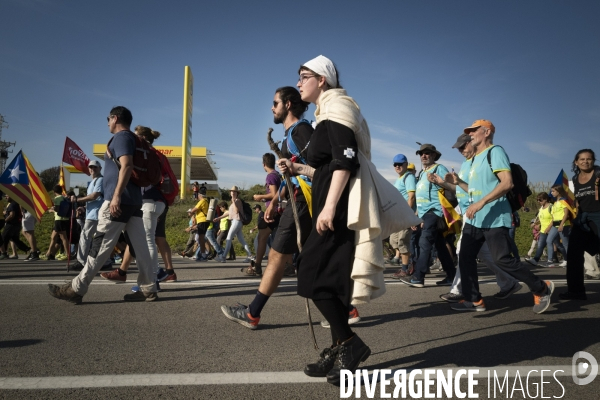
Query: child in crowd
[[535, 230]]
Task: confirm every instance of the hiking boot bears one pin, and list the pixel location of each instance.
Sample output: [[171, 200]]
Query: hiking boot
[[141, 296], [464, 305], [324, 364], [445, 282], [241, 314], [65, 292], [504, 294], [400, 274], [532, 261], [542, 301], [349, 354], [353, 318], [572, 296], [114, 276], [13, 257], [170, 278], [410, 281], [452, 297], [289, 270]]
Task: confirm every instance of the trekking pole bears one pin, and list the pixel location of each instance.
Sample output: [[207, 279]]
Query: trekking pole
[[290, 188]]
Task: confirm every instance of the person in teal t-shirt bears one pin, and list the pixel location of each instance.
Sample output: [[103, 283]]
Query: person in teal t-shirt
[[490, 219], [400, 241], [429, 210]]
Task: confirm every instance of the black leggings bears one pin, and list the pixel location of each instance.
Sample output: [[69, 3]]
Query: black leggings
[[336, 313]]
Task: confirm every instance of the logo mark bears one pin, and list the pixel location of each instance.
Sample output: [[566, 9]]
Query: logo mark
[[590, 364]]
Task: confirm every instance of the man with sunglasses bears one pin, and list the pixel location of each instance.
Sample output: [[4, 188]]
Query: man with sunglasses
[[93, 200], [406, 183], [488, 219], [288, 109], [429, 209], [120, 211]]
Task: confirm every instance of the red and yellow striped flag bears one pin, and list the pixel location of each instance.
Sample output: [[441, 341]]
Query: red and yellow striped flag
[[23, 184], [452, 218]]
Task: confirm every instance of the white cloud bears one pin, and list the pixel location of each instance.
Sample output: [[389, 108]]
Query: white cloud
[[543, 148]]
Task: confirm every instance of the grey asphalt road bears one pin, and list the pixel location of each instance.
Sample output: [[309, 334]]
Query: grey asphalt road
[[183, 347]]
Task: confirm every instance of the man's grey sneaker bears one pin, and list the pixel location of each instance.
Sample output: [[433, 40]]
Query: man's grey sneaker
[[220, 258], [141, 296], [504, 294], [532, 261], [592, 277], [410, 281], [289, 270], [542, 301], [464, 305], [452, 298], [65, 292], [445, 282], [241, 314]]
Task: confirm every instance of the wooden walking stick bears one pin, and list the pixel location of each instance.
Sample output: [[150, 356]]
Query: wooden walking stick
[[290, 188]]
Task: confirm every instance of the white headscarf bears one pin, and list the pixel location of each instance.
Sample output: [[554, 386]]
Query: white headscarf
[[324, 67]]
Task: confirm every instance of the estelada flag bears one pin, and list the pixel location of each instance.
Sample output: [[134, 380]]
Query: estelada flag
[[23, 184], [453, 219], [563, 180], [75, 156], [61, 181]]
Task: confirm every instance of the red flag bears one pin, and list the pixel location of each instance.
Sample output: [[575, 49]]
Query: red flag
[[75, 156]]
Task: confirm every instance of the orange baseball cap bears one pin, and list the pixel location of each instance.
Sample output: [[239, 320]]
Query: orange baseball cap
[[481, 122]]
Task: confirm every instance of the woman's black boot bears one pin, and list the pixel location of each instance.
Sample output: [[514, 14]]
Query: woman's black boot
[[324, 364], [349, 354]]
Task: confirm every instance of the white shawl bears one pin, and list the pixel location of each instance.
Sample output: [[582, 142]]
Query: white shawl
[[375, 208]]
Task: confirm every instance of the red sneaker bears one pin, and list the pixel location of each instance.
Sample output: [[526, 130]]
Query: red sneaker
[[170, 278], [114, 276]]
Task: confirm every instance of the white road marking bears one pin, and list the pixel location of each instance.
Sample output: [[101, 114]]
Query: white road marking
[[233, 378]]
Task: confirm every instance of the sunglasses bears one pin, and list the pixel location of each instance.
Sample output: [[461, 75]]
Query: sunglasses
[[275, 103], [397, 165]]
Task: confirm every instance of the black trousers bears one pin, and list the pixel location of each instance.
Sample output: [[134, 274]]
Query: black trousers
[[584, 238], [498, 241], [12, 232], [430, 238]]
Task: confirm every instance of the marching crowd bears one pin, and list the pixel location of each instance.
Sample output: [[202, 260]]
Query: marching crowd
[[305, 224]]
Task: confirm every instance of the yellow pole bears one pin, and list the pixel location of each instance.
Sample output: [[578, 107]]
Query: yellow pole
[[186, 139]]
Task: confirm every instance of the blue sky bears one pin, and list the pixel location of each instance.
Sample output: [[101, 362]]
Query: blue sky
[[420, 70]]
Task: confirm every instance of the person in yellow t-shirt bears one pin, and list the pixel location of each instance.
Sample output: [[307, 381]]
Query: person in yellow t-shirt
[[60, 228], [545, 218], [562, 213], [201, 210]]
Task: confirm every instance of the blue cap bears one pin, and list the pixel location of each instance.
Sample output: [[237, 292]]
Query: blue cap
[[400, 159]]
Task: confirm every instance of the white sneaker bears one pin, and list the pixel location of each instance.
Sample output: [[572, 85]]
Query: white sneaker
[[563, 264], [248, 259]]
